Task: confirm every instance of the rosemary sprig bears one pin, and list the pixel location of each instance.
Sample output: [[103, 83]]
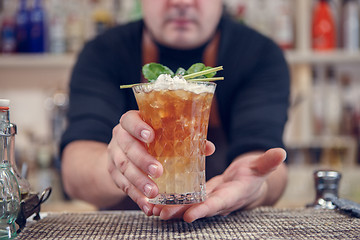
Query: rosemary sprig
[[204, 72], [205, 79], [129, 85]]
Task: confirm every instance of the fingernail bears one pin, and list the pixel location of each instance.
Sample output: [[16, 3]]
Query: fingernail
[[145, 134], [147, 189], [153, 169], [146, 209]]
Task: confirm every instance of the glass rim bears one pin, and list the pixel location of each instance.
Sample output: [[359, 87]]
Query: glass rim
[[206, 83]]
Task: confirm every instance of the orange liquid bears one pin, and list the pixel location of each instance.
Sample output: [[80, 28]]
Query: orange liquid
[[180, 121]]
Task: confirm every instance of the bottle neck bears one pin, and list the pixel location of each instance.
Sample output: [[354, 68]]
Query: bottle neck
[[5, 135], [4, 121]]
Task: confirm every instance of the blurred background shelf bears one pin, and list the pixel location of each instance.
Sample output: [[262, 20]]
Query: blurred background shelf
[[66, 61], [334, 57], [21, 61]]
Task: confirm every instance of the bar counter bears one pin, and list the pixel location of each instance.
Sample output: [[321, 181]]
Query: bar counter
[[260, 223]]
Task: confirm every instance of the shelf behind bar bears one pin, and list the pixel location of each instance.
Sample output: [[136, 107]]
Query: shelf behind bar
[[37, 61], [309, 57], [337, 141], [67, 60]]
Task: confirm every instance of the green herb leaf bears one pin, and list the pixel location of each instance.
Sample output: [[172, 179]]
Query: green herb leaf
[[152, 71], [180, 71], [197, 67]]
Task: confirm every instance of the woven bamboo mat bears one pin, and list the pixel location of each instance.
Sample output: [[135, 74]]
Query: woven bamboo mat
[[261, 223]]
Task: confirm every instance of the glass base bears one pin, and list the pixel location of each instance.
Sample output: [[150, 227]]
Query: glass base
[[7, 231], [178, 198]]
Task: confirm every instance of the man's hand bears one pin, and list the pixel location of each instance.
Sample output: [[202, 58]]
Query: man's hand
[[129, 163], [251, 180]]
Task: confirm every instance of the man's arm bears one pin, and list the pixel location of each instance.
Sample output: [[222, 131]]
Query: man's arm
[[85, 174]]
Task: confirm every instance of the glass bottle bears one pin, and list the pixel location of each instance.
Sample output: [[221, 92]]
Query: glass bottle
[[22, 18], [323, 27], [9, 188], [23, 183], [7, 28], [37, 27], [282, 23], [350, 25]]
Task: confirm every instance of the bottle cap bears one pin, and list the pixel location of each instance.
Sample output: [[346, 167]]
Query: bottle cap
[[4, 103]]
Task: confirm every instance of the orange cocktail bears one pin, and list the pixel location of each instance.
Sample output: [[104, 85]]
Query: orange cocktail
[[179, 117]]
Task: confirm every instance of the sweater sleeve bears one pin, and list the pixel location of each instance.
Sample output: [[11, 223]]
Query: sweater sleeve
[[258, 111], [91, 109], [96, 101]]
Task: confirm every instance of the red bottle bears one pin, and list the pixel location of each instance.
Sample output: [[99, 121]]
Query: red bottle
[[323, 27]]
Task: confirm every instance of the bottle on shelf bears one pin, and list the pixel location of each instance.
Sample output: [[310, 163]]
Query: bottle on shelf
[[22, 27], [350, 25], [258, 16], [37, 28], [318, 102], [57, 23], [333, 105], [323, 27], [8, 28], [283, 25], [101, 17], [348, 94], [75, 27]]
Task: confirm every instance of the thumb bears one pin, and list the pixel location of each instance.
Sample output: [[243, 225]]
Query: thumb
[[268, 161]]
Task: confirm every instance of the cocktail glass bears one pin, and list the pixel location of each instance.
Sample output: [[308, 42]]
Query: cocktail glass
[[179, 117]]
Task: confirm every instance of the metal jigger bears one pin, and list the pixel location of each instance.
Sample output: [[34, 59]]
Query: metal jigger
[[326, 186]]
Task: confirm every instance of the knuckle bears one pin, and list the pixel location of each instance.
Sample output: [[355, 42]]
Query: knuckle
[[126, 189], [139, 182], [143, 160], [116, 130], [123, 117], [122, 165], [126, 147], [110, 167]]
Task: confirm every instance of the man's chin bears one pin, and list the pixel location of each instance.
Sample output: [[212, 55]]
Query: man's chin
[[183, 41]]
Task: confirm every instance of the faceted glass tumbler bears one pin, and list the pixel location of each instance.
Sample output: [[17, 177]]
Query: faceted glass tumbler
[[180, 119]]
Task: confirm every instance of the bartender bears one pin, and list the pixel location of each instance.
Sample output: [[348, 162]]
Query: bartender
[[104, 161]]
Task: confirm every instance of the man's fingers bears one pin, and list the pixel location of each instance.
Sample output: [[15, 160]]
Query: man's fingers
[[268, 161], [212, 206], [173, 212], [122, 182], [132, 123], [120, 162], [136, 152], [210, 148]]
